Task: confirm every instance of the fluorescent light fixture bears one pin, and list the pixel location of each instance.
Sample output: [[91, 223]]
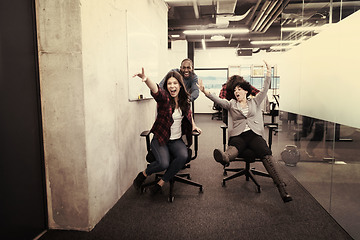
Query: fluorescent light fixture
[[303, 29], [217, 31], [203, 44], [274, 42], [175, 35], [281, 47], [217, 37]]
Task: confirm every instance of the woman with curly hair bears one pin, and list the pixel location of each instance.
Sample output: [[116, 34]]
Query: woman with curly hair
[[247, 127]]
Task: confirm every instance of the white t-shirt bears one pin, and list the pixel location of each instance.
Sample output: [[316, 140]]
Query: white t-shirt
[[175, 130]]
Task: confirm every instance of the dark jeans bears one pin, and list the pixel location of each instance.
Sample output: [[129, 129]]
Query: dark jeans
[[170, 157], [250, 140]]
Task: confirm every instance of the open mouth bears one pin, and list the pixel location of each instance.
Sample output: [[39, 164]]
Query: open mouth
[[173, 91]]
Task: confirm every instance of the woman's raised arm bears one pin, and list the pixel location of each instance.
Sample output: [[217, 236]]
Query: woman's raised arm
[[151, 84]]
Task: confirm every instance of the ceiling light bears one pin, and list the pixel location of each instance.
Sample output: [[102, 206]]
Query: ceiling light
[[217, 37], [175, 35], [217, 31], [274, 42], [203, 44], [281, 47]]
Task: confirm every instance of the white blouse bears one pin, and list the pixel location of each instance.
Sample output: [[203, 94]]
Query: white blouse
[[175, 130]]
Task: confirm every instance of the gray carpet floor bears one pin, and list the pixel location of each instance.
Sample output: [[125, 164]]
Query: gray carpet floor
[[236, 211]]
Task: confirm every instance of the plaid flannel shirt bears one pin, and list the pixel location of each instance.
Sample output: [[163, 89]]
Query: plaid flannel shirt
[[162, 125]]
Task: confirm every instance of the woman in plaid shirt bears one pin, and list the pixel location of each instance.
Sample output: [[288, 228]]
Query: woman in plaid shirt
[[173, 120]]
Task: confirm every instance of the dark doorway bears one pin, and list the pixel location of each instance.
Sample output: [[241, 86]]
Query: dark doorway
[[22, 186]]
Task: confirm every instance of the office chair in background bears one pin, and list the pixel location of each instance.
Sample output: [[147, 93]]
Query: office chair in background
[[218, 114], [179, 177]]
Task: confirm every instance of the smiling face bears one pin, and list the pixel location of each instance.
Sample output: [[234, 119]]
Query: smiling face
[[173, 87], [186, 68], [240, 94]]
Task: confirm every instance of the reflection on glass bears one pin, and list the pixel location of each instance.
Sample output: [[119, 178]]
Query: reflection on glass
[[329, 166]]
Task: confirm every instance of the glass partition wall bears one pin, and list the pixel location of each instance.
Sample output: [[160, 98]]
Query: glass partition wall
[[326, 155]]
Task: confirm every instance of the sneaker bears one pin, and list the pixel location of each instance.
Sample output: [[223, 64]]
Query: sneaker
[[155, 189], [139, 180]]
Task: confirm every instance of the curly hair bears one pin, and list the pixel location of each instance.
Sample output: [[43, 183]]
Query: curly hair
[[184, 96], [235, 81]]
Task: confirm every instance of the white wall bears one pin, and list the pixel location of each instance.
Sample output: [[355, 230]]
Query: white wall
[[319, 78], [92, 146], [177, 53]]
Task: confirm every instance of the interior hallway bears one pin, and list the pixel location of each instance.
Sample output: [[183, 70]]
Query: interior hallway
[[236, 211]]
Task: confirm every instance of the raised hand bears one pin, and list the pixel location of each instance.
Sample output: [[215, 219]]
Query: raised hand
[[141, 75], [201, 85], [267, 65]]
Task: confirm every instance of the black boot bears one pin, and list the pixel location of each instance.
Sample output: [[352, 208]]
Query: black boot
[[139, 180], [225, 157], [270, 166], [155, 189]]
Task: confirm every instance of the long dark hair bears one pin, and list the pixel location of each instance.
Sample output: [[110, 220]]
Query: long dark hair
[[184, 96]]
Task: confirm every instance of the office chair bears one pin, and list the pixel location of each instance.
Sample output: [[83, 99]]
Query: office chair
[[179, 177], [248, 156], [218, 114]]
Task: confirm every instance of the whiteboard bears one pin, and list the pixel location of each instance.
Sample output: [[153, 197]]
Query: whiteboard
[[143, 51]]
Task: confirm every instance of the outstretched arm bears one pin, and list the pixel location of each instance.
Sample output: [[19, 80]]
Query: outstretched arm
[[151, 84], [268, 68], [222, 102], [202, 87], [263, 93]]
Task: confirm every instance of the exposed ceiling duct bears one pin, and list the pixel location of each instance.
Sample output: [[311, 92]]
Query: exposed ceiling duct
[[263, 19]]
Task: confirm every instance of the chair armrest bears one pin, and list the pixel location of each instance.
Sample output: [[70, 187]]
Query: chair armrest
[[196, 135], [146, 134], [224, 127], [271, 127]]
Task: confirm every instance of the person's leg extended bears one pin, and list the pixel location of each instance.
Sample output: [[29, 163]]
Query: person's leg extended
[[179, 152], [235, 147], [162, 156], [258, 145]]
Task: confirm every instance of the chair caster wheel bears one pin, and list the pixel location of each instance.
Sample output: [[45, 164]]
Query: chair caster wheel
[[223, 184], [225, 173], [201, 190], [189, 178], [171, 199], [142, 190], [258, 189]]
